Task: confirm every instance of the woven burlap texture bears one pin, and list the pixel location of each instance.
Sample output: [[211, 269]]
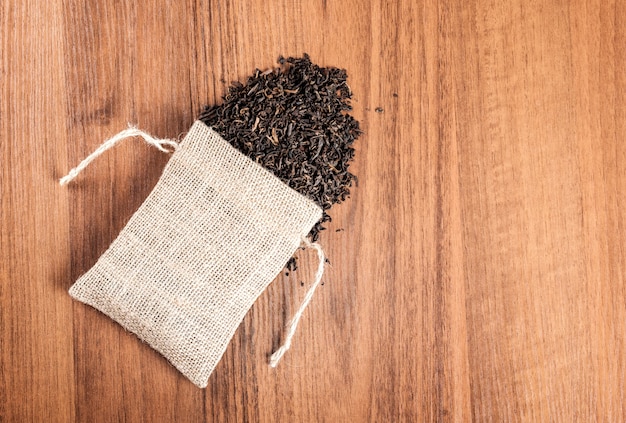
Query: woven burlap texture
[[214, 232]]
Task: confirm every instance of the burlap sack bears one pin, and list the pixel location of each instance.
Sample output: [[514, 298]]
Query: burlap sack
[[214, 232]]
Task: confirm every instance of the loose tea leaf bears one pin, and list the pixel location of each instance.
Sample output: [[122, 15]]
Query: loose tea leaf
[[293, 120]]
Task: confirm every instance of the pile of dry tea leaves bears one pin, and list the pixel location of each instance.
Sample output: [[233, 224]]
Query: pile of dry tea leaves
[[293, 121]]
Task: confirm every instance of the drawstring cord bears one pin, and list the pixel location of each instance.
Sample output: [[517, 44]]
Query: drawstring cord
[[132, 131], [293, 324]]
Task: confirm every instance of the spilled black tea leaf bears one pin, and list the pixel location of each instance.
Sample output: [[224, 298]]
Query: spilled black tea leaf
[[293, 121]]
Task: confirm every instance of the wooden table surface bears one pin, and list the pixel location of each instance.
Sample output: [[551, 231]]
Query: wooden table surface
[[481, 272]]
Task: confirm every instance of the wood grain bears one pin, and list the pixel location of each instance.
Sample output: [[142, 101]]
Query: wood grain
[[481, 273]]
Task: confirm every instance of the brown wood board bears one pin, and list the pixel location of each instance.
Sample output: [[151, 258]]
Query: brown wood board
[[481, 271]]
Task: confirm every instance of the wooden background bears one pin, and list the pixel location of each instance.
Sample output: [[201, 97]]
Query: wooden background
[[481, 275]]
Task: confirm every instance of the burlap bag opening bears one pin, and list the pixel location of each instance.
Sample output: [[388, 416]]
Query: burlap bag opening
[[214, 232]]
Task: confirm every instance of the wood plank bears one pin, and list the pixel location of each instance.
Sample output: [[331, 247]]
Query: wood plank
[[36, 344]]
